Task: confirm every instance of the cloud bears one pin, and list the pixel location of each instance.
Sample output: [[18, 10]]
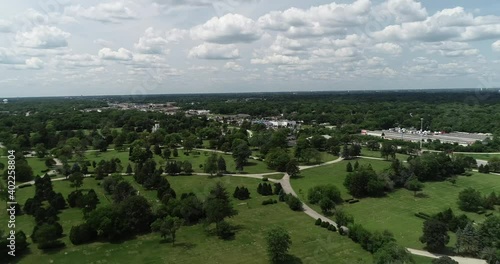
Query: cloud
[[406, 10], [447, 24], [152, 42], [210, 51], [120, 55], [43, 37], [33, 63], [230, 28], [5, 26], [105, 12], [104, 43], [231, 65], [317, 20], [7, 56], [277, 59], [77, 60], [447, 48], [388, 48], [496, 46]]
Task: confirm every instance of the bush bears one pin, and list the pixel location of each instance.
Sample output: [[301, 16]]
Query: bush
[[294, 203], [329, 191], [265, 179], [325, 224], [318, 222], [332, 228], [82, 234], [225, 231], [269, 201]]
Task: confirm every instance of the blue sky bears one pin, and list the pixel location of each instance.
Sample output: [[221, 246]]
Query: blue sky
[[66, 47]]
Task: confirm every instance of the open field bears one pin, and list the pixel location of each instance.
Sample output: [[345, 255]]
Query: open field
[[395, 212], [376, 154], [311, 244], [480, 156]]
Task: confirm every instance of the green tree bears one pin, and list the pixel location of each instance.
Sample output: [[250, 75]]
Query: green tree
[[221, 165], [211, 164], [277, 159], [415, 186], [241, 152], [76, 179], [292, 168], [348, 167], [218, 205], [278, 243], [392, 253], [326, 205], [167, 227], [468, 240], [435, 234], [470, 200]]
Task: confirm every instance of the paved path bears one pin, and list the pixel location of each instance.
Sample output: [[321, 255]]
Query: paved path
[[460, 260]]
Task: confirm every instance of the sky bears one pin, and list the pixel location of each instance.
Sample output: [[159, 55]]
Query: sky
[[111, 47]]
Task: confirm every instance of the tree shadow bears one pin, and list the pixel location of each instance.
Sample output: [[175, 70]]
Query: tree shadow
[[422, 195], [291, 259], [185, 245]]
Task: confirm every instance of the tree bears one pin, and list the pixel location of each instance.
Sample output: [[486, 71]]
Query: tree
[[187, 167], [176, 153], [293, 202], [157, 149], [292, 168], [166, 154], [167, 227], [221, 165], [129, 169], [326, 205], [444, 260], [435, 234], [470, 200], [348, 167], [218, 205], [329, 191], [122, 191], [47, 236], [278, 243], [364, 182], [82, 234], [277, 159], [414, 185], [76, 180], [241, 152], [387, 150], [468, 240], [342, 218], [211, 164], [392, 253]]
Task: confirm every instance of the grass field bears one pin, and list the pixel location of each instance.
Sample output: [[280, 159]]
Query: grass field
[[395, 212], [481, 156], [376, 154], [311, 244]]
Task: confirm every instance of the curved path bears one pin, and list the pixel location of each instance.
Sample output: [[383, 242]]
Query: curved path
[[287, 187]]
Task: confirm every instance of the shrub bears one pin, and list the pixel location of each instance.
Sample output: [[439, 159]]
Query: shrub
[[318, 222], [332, 228], [325, 224], [225, 231], [265, 179], [294, 203], [82, 234]]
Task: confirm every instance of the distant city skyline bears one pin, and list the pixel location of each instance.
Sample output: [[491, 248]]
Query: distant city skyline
[[117, 47]]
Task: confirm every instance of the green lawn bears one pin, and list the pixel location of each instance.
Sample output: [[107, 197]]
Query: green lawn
[[395, 212], [481, 156], [376, 154], [311, 244], [253, 166], [38, 166], [422, 260]]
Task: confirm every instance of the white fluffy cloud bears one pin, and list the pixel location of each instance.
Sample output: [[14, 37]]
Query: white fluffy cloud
[[406, 10], [43, 37], [105, 12], [33, 63], [277, 59], [230, 28], [317, 20], [496, 46], [120, 55], [447, 48], [388, 48], [155, 41], [7, 56], [231, 65], [77, 60], [212, 51]]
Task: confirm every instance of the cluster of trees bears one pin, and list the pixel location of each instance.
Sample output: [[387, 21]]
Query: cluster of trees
[[24, 172], [473, 240], [364, 181], [177, 167], [215, 164], [241, 193], [327, 196], [87, 202], [471, 200], [382, 245], [266, 189], [47, 230], [493, 165]]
